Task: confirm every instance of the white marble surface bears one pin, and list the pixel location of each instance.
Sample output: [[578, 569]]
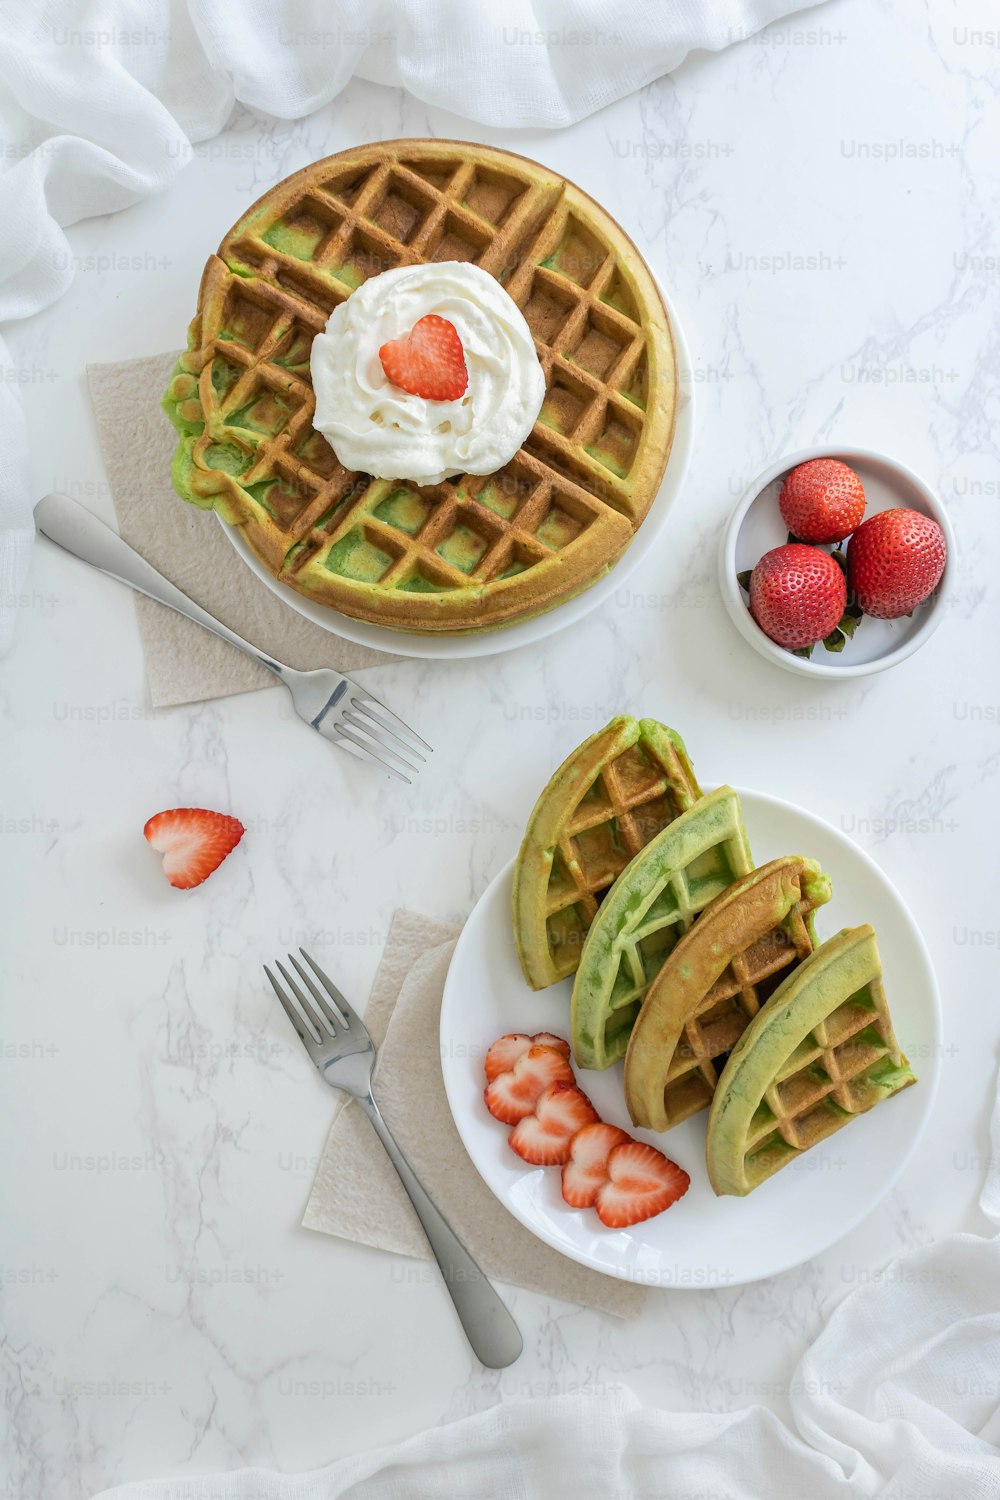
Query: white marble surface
[[163, 1313]]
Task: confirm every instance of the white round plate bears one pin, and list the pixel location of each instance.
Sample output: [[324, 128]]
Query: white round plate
[[702, 1241], [524, 632]]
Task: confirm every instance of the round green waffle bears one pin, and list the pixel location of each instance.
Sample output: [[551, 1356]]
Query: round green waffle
[[475, 552]]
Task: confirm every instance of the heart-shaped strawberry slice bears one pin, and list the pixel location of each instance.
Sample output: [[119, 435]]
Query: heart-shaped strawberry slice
[[429, 361]]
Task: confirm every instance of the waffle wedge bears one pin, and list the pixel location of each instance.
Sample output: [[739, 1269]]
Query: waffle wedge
[[713, 983], [652, 903], [614, 793], [475, 552], [819, 1053]]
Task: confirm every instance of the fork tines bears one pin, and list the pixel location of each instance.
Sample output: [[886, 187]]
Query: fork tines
[[313, 1026], [375, 732]]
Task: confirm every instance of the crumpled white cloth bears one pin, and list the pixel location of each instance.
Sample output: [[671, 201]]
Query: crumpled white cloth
[[101, 102], [897, 1398]]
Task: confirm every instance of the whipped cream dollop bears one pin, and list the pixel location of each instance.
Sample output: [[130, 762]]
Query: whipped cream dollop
[[380, 429]]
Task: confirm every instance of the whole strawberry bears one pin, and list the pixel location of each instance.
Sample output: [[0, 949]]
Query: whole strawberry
[[822, 500], [894, 561], [797, 595]]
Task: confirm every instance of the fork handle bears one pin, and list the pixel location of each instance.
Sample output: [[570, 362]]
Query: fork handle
[[73, 527], [488, 1325]]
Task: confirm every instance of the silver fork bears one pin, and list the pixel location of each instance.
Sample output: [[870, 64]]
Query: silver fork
[[340, 709], [337, 1041]]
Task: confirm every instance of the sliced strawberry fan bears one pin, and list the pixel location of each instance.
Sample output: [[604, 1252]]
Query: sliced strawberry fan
[[531, 1086]]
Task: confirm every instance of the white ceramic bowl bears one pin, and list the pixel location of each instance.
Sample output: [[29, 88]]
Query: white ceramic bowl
[[755, 526]]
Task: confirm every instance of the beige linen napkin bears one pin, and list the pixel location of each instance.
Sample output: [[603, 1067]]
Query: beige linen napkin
[[184, 663], [356, 1195]]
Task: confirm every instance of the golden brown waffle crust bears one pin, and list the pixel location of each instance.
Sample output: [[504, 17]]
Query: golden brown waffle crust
[[645, 778], [574, 495], [776, 900], [815, 1056]]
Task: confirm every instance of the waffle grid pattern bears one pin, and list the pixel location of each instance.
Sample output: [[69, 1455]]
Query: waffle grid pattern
[[569, 500], [712, 1031], [826, 1081], [632, 799], [671, 907], [676, 902]]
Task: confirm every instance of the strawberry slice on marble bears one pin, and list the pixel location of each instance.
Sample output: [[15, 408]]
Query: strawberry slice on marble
[[193, 841]]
